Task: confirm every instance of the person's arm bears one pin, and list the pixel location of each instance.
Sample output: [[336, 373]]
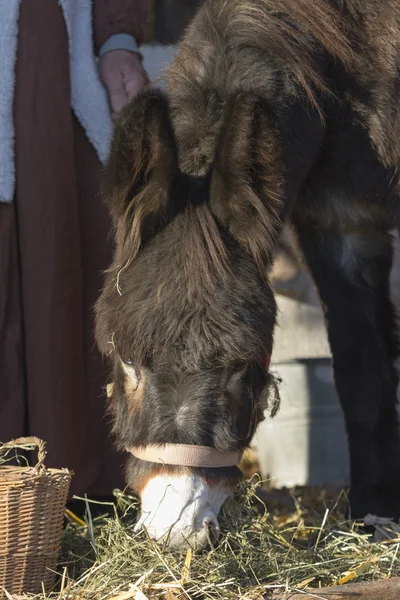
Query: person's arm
[[119, 29]]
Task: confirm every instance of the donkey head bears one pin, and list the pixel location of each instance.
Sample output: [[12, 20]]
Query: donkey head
[[187, 313]]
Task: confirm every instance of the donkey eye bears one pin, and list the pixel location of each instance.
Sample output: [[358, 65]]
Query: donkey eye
[[130, 372], [128, 366], [127, 363]]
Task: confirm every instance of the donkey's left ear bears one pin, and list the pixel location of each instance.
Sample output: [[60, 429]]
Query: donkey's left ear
[[141, 168], [247, 180]]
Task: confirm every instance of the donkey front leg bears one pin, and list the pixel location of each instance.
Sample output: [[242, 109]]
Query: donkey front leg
[[351, 270]]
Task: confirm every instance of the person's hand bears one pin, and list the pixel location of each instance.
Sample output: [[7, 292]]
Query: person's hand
[[123, 75]]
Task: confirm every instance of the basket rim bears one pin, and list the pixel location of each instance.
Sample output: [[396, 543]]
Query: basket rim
[[25, 473], [13, 473], [28, 443]]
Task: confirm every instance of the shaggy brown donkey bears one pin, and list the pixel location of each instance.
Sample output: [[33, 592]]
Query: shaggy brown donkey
[[275, 111]]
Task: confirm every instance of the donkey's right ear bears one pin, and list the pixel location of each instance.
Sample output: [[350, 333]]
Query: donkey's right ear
[[141, 168], [247, 188]]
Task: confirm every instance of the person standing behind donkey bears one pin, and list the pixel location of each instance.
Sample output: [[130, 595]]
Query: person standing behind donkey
[[56, 110]]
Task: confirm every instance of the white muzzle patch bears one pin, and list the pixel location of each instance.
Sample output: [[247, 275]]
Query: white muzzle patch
[[181, 511]]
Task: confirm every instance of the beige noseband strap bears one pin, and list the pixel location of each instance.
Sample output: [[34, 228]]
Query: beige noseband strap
[[185, 455]]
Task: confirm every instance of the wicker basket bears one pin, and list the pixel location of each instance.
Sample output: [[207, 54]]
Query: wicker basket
[[32, 506]]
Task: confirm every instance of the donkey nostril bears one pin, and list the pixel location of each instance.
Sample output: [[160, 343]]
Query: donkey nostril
[[138, 527]]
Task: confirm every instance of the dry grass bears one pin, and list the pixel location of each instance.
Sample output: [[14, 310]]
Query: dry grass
[[302, 540], [258, 551]]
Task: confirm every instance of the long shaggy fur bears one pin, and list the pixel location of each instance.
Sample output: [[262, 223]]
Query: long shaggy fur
[[274, 110]]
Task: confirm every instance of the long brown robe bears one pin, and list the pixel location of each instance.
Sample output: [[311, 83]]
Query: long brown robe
[[54, 245]]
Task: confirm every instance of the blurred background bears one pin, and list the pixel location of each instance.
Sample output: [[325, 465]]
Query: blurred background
[[168, 19]]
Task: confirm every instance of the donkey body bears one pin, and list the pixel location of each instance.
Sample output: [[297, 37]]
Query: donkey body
[[276, 111]]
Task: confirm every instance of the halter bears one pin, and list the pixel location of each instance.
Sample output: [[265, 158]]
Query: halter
[[187, 455]]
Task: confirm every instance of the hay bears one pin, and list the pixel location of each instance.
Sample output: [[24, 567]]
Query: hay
[[257, 552]]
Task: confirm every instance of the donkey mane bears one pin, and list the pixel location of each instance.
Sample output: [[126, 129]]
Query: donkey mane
[[207, 252], [170, 297]]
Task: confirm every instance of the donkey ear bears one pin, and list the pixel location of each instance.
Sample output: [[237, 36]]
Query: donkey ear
[[140, 171], [246, 186]]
